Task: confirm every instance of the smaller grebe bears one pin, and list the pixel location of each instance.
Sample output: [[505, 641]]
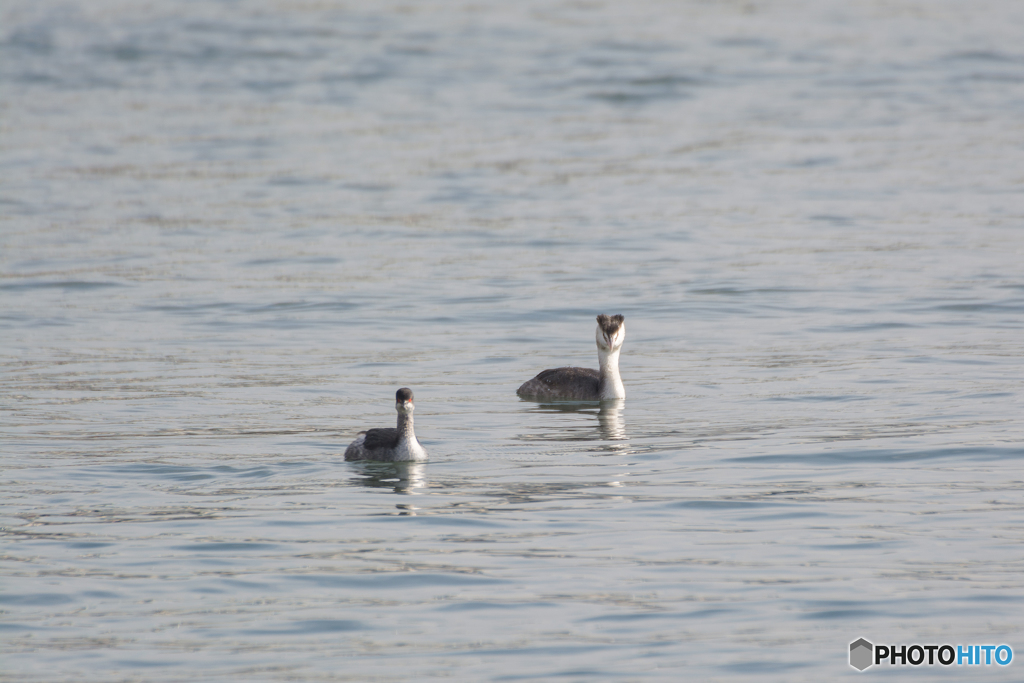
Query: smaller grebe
[[584, 384], [386, 443]]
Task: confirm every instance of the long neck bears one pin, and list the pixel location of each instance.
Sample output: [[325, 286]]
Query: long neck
[[405, 432], [611, 382]]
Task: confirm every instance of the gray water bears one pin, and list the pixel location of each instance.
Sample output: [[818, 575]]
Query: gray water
[[231, 230]]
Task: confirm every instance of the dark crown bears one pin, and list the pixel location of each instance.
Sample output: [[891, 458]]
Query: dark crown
[[610, 324]]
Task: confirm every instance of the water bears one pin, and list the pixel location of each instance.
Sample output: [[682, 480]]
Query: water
[[231, 230]]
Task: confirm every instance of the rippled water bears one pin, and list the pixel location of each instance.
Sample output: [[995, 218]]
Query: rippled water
[[231, 230]]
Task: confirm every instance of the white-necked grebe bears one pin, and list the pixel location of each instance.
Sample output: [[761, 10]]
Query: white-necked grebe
[[388, 444], [584, 384]]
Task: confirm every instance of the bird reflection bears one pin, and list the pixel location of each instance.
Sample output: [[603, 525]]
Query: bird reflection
[[401, 477], [611, 424]]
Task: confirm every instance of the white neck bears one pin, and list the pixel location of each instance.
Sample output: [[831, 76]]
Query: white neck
[[611, 382]]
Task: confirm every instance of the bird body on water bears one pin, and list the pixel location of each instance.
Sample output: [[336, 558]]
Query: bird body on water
[[389, 444], [585, 384]]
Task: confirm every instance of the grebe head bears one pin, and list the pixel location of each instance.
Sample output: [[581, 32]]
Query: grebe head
[[403, 401], [611, 332]]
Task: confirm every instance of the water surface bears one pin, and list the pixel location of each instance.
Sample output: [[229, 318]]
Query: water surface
[[230, 231]]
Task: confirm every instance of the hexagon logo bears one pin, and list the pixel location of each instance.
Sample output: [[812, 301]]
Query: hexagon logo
[[861, 654]]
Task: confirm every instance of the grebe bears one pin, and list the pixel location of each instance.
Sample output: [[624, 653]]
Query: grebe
[[584, 384], [388, 444]]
